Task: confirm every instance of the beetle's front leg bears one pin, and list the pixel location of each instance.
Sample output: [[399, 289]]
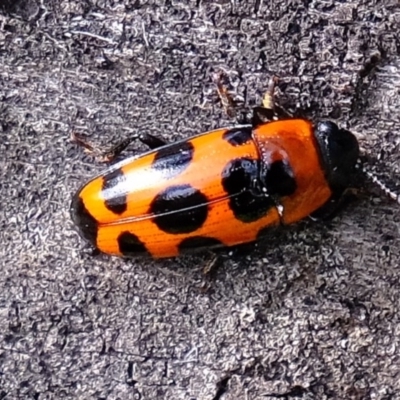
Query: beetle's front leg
[[269, 109]]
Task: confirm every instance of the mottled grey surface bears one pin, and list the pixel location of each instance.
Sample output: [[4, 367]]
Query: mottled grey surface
[[312, 313]]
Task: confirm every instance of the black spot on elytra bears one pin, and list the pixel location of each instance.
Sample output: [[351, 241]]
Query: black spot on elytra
[[173, 159], [115, 200], [240, 179], [238, 136], [85, 222], [179, 209], [279, 179], [199, 242], [130, 245]]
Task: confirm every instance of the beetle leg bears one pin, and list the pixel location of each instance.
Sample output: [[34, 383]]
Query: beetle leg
[[269, 101], [330, 209], [153, 142], [110, 154], [115, 151], [269, 110], [269, 96], [209, 269], [211, 264], [80, 141], [100, 154], [228, 103]]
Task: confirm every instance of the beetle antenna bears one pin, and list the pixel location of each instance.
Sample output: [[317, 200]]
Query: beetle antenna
[[361, 166]]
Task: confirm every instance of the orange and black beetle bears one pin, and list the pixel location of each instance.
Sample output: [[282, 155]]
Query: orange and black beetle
[[220, 188]]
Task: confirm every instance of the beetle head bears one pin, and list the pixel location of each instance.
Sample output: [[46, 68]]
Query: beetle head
[[339, 152]]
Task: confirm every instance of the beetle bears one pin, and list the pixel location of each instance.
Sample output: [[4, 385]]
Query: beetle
[[217, 189]]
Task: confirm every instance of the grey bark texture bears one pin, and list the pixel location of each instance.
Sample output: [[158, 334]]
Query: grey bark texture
[[312, 312]]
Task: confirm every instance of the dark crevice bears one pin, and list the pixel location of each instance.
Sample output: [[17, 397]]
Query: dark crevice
[[222, 387], [365, 76], [295, 391]]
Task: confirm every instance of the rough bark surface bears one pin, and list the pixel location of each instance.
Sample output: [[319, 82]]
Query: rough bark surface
[[311, 313]]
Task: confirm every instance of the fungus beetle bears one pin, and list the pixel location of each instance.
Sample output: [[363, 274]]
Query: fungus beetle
[[217, 189]]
